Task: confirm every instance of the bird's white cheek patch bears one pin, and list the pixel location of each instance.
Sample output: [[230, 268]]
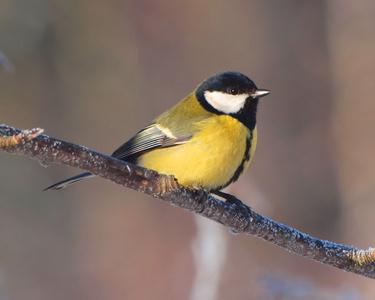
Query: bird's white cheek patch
[[224, 102]]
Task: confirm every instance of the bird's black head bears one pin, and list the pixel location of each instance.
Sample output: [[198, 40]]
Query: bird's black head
[[231, 93]]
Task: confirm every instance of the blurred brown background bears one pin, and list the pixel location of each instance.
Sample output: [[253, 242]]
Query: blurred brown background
[[95, 72]]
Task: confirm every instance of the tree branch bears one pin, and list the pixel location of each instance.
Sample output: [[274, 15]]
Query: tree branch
[[49, 150]]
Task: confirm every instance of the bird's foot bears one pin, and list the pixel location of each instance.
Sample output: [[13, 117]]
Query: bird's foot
[[246, 210]]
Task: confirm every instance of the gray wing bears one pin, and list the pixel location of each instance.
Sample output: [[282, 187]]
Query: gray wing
[[153, 136]]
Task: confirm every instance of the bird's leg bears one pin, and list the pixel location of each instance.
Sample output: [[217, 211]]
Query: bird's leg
[[246, 210]]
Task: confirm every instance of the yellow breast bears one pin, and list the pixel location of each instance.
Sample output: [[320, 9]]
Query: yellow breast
[[220, 150]]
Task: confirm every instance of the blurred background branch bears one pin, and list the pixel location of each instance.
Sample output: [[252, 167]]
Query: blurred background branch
[[5, 63]]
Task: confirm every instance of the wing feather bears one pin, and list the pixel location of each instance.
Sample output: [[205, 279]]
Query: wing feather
[[153, 136]]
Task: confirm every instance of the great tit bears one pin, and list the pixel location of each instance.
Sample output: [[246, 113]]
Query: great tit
[[206, 141]]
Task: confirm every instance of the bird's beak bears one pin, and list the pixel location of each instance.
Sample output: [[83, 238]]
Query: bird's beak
[[260, 93]]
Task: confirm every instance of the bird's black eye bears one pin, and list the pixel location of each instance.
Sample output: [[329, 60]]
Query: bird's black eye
[[233, 91]]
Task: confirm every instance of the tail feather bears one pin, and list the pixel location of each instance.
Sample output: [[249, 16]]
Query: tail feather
[[66, 182]]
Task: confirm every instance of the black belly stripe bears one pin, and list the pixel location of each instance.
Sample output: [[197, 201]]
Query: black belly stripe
[[240, 168]]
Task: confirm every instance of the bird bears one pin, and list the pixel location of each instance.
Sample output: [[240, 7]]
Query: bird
[[206, 141]]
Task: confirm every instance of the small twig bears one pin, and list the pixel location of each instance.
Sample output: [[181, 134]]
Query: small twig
[[23, 136], [49, 150], [363, 257]]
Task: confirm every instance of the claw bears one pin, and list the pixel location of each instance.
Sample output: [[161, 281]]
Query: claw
[[246, 210]]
